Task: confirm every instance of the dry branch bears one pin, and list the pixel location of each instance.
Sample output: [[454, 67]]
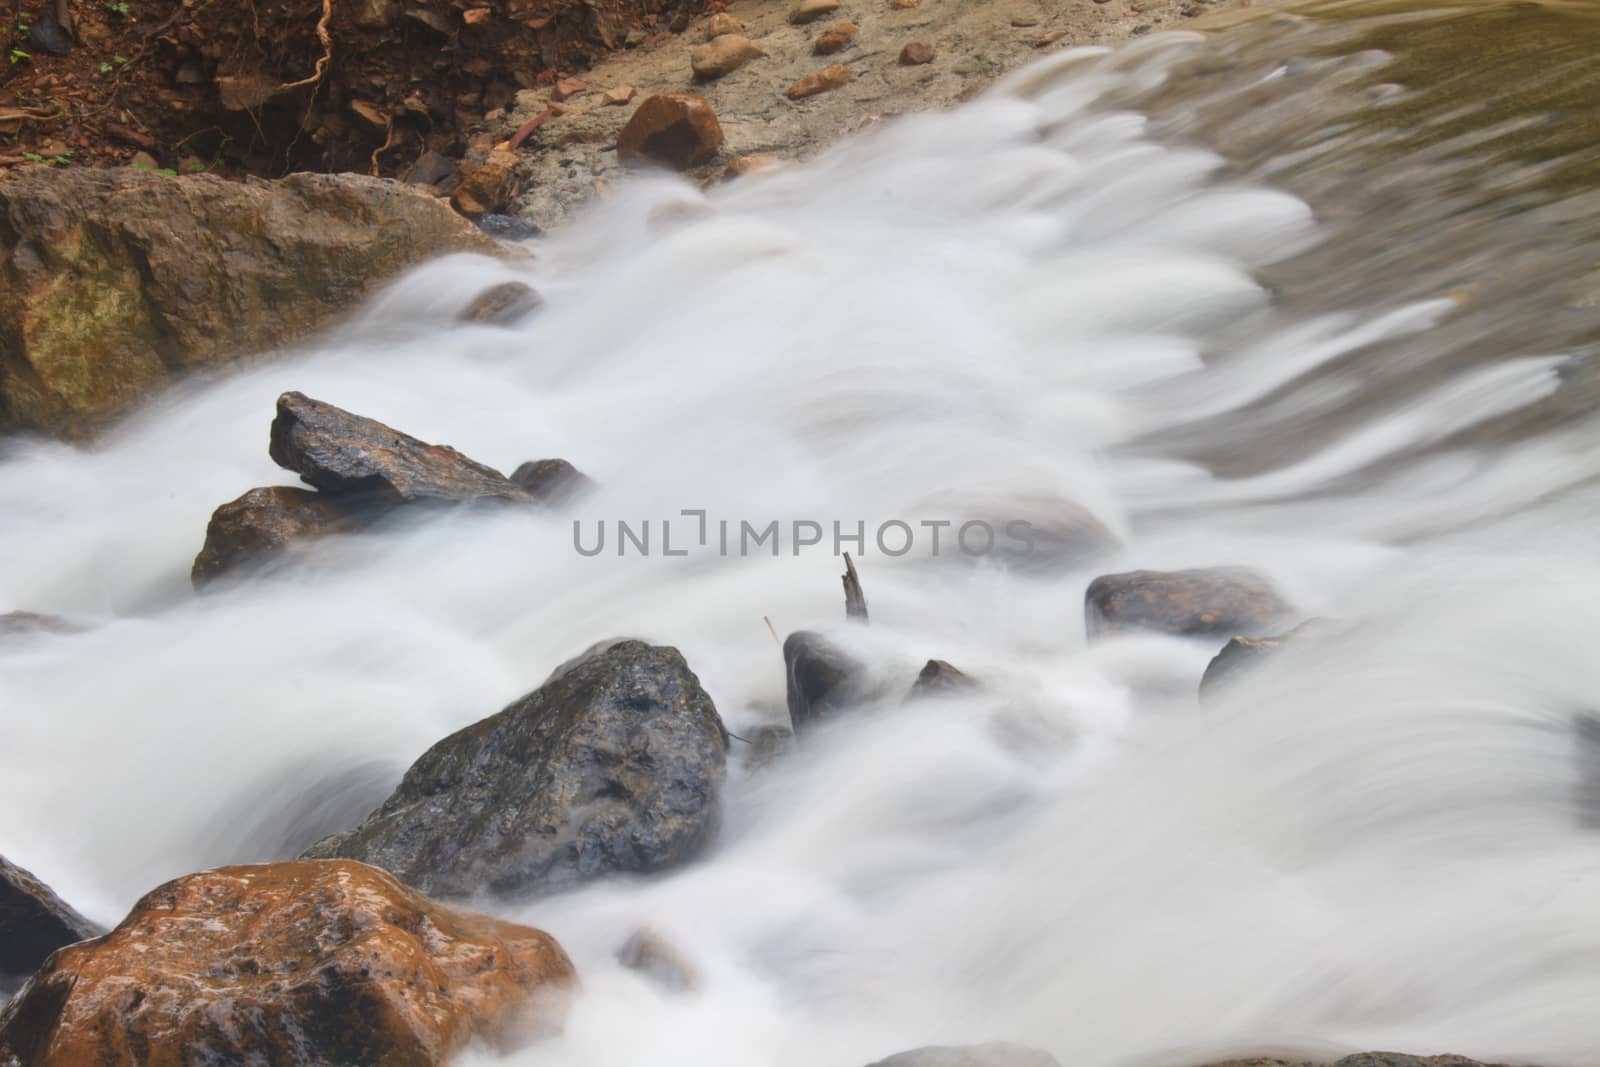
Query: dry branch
[[855, 601]]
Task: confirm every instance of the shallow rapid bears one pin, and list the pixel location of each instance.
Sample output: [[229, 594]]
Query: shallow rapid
[[1097, 287]]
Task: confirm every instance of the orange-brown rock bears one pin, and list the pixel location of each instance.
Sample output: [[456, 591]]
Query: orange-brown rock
[[566, 89], [259, 526], [618, 96], [811, 10], [722, 55], [289, 964], [722, 23], [902, 5], [755, 163], [834, 39], [1216, 602], [676, 129], [822, 81], [915, 53], [485, 187]]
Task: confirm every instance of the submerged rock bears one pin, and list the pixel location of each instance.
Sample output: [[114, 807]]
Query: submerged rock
[[257, 527], [503, 305], [552, 482], [23, 623], [654, 957], [1216, 602], [821, 81], [834, 39], [509, 227], [811, 10], [289, 964], [1241, 655], [915, 54], [614, 765], [823, 679], [34, 922], [939, 678], [678, 130], [114, 282], [347, 455], [768, 745], [998, 1054]]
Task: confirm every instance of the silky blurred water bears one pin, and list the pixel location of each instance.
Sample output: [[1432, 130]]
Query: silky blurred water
[[1065, 295]]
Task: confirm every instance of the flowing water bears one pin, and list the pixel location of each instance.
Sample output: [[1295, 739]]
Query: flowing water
[[1316, 295]]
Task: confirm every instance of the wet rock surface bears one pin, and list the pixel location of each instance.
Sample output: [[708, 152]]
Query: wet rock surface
[[1215, 602], [939, 678], [344, 454], [113, 283], [998, 1054], [26, 623], [823, 679], [503, 305], [615, 765], [290, 964], [34, 922], [552, 482], [255, 529]]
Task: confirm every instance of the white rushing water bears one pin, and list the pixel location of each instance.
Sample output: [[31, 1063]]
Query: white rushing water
[[1377, 841]]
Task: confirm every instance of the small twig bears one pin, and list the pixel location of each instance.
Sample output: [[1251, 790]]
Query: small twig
[[528, 128], [855, 601], [772, 630]]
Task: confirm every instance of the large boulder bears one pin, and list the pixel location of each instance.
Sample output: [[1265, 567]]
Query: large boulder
[[344, 454], [1219, 602], [997, 1054], [678, 130], [113, 282], [257, 527], [614, 765], [287, 964], [34, 922]]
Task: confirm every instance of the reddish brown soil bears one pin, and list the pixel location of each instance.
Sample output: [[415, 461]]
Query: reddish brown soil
[[270, 86]]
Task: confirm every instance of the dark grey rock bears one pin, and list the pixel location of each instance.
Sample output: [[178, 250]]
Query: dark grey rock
[[614, 765], [47, 35], [431, 168], [509, 227], [25, 623], [823, 679], [1215, 602], [768, 745], [654, 957], [552, 482], [503, 305], [998, 1054], [939, 678], [1241, 655], [34, 922], [348, 455]]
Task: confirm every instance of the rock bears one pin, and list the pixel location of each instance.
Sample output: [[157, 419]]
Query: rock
[[755, 163], [823, 679], [770, 744], [503, 305], [431, 168], [615, 765], [811, 10], [48, 36], [293, 964], [721, 24], [113, 282], [552, 482], [257, 527], [567, 88], [618, 95], [939, 678], [676, 129], [915, 54], [1216, 602], [903, 5], [1241, 655], [821, 81], [144, 161], [834, 38], [349, 455], [485, 187], [509, 227], [722, 55], [654, 957], [998, 1054], [1045, 40], [22, 623], [34, 922]]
